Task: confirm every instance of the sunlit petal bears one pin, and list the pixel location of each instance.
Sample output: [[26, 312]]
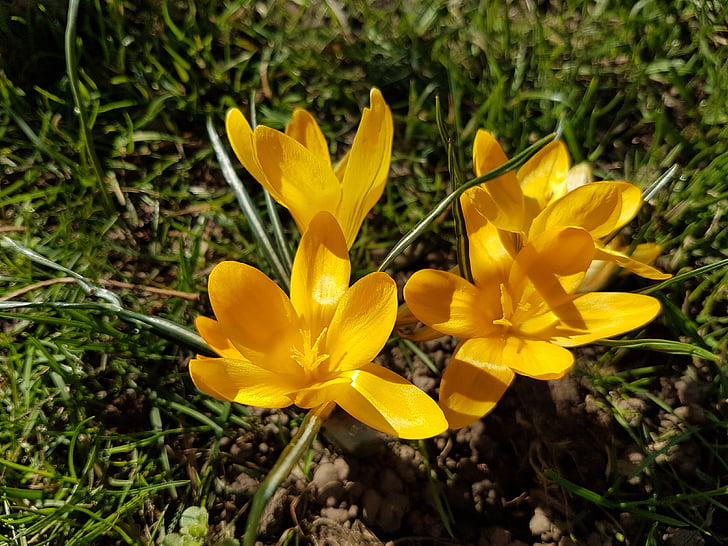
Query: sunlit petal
[[340, 167], [367, 166], [241, 381], [544, 177], [450, 304], [214, 336], [240, 135], [383, 400], [605, 314], [645, 252], [506, 210], [578, 175], [554, 263], [474, 380], [363, 322], [253, 313], [536, 358], [629, 263], [321, 271], [596, 207], [491, 250], [631, 202], [305, 130], [296, 177], [317, 394]]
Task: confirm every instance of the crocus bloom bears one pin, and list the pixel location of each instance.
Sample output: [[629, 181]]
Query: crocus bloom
[[296, 168], [314, 348], [545, 194], [518, 314]]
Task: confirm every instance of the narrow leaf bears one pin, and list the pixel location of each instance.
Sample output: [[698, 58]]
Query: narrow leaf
[[246, 204], [661, 345]]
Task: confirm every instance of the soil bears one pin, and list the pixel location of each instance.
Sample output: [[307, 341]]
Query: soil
[[498, 482]]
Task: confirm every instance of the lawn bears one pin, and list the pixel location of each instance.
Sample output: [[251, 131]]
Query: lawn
[[114, 210]]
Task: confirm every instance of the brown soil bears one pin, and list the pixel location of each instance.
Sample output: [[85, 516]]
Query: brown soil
[[494, 482]]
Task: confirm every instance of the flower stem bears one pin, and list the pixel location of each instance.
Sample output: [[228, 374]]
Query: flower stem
[[290, 456]]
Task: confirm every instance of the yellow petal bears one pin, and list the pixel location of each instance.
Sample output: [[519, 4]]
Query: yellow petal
[[491, 250], [213, 335], [631, 201], [367, 166], [240, 136], [601, 271], [408, 326], [606, 314], [578, 175], [474, 380], [241, 381], [536, 358], [596, 207], [320, 393], [597, 276], [305, 130], [554, 263], [254, 314], [646, 252], [507, 210], [450, 304], [295, 177], [363, 322], [636, 267], [544, 177], [320, 274], [383, 400]]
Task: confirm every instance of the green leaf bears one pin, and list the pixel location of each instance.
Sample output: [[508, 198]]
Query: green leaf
[[661, 345], [194, 521]]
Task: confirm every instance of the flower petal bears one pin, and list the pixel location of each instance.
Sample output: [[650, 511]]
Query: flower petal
[[367, 166], [363, 322], [629, 263], [596, 207], [305, 130], [554, 264], [240, 136], [241, 381], [450, 304], [544, 177], [474, 380], [507, 210], [213, 335], [491, 250], [320, 274], [536, 358], [254, 314], [605, 314], [296, 177], [578, 175], [631, 201], [387, 402], [408, 326]]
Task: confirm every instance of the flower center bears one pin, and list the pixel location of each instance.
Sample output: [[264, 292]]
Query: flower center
[[513, 315], [308, 357]]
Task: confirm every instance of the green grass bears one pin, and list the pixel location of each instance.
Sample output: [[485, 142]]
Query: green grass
[[90, 404]]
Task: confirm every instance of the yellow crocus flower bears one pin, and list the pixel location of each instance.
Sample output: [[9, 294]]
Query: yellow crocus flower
[[545, 193], [518, 314], [296, 169], [315, 347]]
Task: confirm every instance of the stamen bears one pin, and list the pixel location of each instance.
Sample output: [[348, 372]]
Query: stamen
[[309, 358], [507, 307]]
